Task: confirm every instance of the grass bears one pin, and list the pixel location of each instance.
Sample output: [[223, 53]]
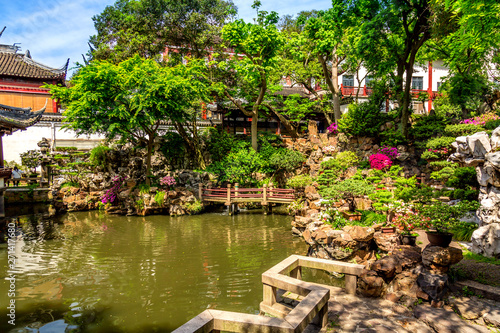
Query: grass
[[479, 258]]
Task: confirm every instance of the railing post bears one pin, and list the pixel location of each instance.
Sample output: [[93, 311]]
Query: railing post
[[264, 194], [200, 191], [269, 297], [350, 284], [296, 273], [228, 202], [236, 187]]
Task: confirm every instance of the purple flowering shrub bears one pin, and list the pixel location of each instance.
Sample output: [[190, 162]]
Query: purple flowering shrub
[[391, 152], [168, 181], [481, 120], [333, 129], [112, 193], [380, 161]]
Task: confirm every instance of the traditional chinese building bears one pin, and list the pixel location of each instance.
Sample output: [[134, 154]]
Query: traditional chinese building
[[22, 78]]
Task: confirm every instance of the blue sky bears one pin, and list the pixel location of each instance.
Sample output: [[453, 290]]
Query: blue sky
[[55, 30]]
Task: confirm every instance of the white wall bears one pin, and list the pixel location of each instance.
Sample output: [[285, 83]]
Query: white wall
[[22, 141]]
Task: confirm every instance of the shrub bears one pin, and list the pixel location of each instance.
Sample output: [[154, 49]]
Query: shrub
[[286, 160], [160, 197], [193, 208], [296, 207], [31, 159], [333, 129], [391, 152], [173, 148], [168, 181], [430, 155], [462, 130], [380, 161], [463, 178], [112, 194], [369, 218], [363, 119], [392, 137], [441, 142], [462, 231], [299, 181], [219, 143], [482, 119], [427, 127], [347, 190], [98, 155], [492, 124], [346, 159], [443, 174]]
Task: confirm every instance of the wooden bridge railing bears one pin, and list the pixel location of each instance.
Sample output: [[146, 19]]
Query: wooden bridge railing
[[285, 276], [231, 195]]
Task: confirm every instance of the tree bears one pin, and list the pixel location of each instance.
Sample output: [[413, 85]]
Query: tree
[[129, 100], [146, 27], [465, 37], [391, 34], [325, 32], [256, 46]]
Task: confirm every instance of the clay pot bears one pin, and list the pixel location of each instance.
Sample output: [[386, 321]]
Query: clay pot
[[439, 239]]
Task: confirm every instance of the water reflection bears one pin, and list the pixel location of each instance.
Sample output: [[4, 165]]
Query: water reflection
[[100, 273]]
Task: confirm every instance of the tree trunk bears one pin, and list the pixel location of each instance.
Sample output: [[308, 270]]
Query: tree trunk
[[253, 130], [336, 90]]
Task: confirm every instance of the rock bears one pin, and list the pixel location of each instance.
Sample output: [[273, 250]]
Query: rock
[[370, 284], [311, 193], [433, 285], [387, 267], [495, 139], [386, 241], [468, 308], [445, 321], [407, 256], [494, 159], [403, 156], [492, 317], [486, 240], [360, 234], [479, 144], [439, 259]]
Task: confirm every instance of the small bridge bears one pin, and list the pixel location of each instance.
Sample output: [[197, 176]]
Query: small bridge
[[233, 195]]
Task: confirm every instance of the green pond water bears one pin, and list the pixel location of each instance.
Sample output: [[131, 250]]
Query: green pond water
[[91, 272]]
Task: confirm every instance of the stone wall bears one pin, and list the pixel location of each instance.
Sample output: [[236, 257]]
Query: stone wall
[[26, 195], [482, 152]]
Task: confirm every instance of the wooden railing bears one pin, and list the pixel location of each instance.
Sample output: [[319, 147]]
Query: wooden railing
[[231, 195], [23, 180], [286, 275]]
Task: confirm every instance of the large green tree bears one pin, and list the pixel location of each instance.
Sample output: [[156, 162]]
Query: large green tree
[[256, 47], [146, 27], [392, 32], [130, 100]]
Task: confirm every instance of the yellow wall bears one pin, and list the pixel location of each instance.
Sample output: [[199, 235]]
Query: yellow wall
[[24, 100]]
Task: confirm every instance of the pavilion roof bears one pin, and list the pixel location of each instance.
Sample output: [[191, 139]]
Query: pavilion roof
[[13, 118], [21, 65]]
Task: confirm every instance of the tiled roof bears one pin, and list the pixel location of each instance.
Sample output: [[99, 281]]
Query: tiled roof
[[20, 65], [12, 118]]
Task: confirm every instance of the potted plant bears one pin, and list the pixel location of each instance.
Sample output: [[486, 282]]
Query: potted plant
[[348, 190], [406, 221], [439, 218]]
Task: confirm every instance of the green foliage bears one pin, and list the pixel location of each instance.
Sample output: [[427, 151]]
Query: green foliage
[[445, 109], [463, 178], [382, 200], [462, 130], [479, 258], [491, 125], [139, 204], [442, 217], [441, 142], [430, 155], [341, 161], [370, 218], [442, 164], [363, 119], [98, 155], [31, 159], [462, 231], [219, 143], [464, 194], [427, 127], [160, 197], [65, 148], [299, 181], [70, 184], [173, 148], [286, 160], [392, 138], [296, 207], [193, 208], [347, 190], [143, 188], [444, 174]]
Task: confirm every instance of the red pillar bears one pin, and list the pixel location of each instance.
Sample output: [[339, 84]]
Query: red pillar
[[429, 88]]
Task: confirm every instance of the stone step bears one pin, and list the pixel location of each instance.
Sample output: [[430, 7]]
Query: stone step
[[477, 288]]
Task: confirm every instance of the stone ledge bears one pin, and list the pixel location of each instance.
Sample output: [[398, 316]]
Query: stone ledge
[[486, 291]]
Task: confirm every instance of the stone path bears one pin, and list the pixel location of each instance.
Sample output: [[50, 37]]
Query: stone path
[[348, 313]]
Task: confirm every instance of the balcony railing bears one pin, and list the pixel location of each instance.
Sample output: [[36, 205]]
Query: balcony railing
[[365, 91]]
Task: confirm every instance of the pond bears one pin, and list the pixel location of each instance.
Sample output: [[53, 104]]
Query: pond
[[92, 272]]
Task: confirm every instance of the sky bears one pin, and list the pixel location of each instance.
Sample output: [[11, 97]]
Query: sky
[[55, 30]]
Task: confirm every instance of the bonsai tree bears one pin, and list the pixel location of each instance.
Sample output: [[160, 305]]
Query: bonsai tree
[[31, 159], [348, 190]]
